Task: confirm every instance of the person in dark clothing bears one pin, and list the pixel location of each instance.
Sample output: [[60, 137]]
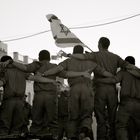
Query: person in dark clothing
[[14, 83], [105, 95], [81, 93], [128, 113], [44, 102]]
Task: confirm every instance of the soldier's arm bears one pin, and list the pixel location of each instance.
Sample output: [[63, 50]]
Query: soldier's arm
[[40, 79], [4, 64], [16, 64], [53, 71], [103, 72], [107, 74], [72, 74], [124, 64], [87, 56], [134, 72], [77, 56], [58, 69], [111, 80], [19, 66], [31, 67]]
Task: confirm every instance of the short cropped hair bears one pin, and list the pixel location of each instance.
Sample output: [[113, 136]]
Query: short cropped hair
[[130, 59], [78, 49], [105, 42], [5, 58], [44, 55]]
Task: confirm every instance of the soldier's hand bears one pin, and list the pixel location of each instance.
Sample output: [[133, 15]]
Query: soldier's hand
[[64, 54], [86, 74], [38, 74], [54, 82], [90, 70], [5, 64]]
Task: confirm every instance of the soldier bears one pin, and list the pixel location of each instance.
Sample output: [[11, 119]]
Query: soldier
[[14, 84], [81, 93], [128, 114], [44, 102], [105, 95]]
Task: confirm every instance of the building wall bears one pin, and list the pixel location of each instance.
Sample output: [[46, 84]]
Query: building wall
[[3, 49]]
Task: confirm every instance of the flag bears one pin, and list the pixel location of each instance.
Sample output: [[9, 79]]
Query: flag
[[62, 35]]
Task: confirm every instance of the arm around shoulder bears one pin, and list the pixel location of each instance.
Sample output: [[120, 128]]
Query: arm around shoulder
[[40, 79], [54, 70], [19, 66]]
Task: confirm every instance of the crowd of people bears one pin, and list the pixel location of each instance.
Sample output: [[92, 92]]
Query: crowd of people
[[68, 111]]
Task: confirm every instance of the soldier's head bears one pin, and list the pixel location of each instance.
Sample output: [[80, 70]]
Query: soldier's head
[[130, 59], [103, 43], [44, 55], [5, 58], [78, 49]]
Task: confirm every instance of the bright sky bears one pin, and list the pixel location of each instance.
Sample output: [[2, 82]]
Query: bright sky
[[26, 17]]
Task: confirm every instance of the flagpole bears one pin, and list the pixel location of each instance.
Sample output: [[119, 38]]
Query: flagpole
[[89, 48]]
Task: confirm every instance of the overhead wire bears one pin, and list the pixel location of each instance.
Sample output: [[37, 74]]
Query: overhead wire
[[80, 27], [19, 38], [106, 23]]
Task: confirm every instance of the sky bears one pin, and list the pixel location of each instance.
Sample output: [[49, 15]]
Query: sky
[[21, 18]]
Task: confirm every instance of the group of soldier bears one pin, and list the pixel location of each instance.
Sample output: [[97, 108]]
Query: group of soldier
[[62, 111]]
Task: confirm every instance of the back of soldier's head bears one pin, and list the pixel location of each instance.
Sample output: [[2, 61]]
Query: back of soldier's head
[[5, 58], [130, 59], [78, 49], [104, 42], [44, 55]]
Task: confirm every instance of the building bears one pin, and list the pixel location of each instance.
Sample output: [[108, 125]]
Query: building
[[3, 49]]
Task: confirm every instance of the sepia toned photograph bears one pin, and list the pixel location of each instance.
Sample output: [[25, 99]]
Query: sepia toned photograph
[[69, 70]]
